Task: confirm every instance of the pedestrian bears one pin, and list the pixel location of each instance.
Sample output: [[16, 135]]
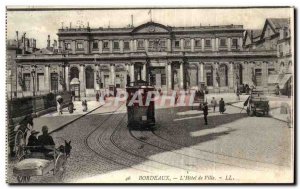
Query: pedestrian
[[46, 141], [238, 95], [84, 105], [277, 90], [213, 103], [205, 112], [59, 106], [71, 107], [222, 106], [33, 142], [97, 96]]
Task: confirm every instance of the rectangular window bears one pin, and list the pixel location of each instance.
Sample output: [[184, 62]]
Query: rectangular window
[[105, 45], [207, 43], [163, 43], [271, 71], [234, 44], [177, 44], [126, 45], [198, 43], [187, 43], [116, 45], [68, 46], [79, 46], [27, 79], [140, 44], [95, 45], [223, 43], [40, 82], [258, 77], [54, 82]]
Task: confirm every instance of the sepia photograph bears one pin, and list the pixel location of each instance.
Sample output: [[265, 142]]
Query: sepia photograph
[[150, 95]]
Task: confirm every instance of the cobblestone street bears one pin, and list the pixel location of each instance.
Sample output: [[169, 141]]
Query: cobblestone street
[[104, 150]]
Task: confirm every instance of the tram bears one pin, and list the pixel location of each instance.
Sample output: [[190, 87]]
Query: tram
[[141, 116]]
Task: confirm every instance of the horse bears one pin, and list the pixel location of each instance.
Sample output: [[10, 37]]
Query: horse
[[65, 148]]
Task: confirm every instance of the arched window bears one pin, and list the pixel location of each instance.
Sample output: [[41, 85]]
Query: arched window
[[74, 73], [209, 75], [89, 78], [281, 67], [223, 74]]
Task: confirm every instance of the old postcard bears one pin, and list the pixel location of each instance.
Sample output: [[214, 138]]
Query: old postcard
[[150, 95]]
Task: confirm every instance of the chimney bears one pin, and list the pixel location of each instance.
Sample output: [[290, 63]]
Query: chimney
[[70, 25], [23, 40], [48, 42], [17, 33], [55, 44], [131, 20]]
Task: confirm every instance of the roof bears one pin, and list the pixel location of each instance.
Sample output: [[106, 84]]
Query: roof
[[43, 51], [130, 29], [278, 23]]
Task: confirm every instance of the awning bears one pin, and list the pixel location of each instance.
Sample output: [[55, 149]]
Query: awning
[[273, 79], [284, 80]]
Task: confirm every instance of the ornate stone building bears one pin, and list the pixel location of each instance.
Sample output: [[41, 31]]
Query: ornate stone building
[[169, 58]]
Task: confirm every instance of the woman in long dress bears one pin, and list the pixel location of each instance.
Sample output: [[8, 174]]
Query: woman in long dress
[[221, 106]]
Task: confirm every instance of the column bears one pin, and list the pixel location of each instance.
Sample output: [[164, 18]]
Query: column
[[121, 46], [246, 73], [82, 78], [240, 43], [110, 43], [73, 46], [146, 45], [264, 72], [67, 78], [112, 74], [182, 44], [144, 71], [100, 46], [60, 74], [213, 44], [132, 72], [169, 45], [131, 46], [97, 73], [181, 75], [231, 75], [229, 44], [169, 69], [202, 45], [134, 45], [217, 44], [192, 45], [86, 47], [201, 72], [215, 69], [47, 78]]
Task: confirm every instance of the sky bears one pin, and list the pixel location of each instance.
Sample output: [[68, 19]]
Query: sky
[[40, 24]]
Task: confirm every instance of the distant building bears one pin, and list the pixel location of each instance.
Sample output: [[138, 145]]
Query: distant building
[[170, 58], [15, 47], [275, 35]]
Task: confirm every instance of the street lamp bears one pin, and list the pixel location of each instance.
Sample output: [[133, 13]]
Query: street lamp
[[33, 84]]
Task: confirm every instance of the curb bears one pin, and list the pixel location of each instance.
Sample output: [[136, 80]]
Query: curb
[[68, 123], [269, 115]]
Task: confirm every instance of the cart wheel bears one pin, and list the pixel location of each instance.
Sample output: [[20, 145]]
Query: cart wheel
[[19, 145], [60, 168], [23, 179]]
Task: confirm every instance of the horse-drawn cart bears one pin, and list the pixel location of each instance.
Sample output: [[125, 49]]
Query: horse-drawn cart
[[37, 163], [257, 104]]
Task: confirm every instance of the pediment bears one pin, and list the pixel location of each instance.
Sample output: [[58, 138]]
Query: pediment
[[151, 27]]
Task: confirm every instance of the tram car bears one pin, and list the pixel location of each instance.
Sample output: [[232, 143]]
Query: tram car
[[140, 116]]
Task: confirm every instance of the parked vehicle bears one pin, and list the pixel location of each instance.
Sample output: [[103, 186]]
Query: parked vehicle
[[258, 104]]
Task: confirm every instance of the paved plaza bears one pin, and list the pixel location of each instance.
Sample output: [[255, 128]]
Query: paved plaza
[[105, 150]]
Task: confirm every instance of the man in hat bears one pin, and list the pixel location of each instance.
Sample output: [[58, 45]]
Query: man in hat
[[32, 140], [205, 112], [45, 139]]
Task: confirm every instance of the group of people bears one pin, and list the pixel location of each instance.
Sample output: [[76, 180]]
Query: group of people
[[71, 108], [214, 104]]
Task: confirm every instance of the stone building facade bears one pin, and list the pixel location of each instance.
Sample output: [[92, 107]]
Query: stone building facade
[[170, 58]]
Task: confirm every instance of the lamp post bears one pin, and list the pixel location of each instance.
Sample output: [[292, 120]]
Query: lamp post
[[33, 86]]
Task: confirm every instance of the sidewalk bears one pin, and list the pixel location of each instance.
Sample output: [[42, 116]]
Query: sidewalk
[[56, 122]]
